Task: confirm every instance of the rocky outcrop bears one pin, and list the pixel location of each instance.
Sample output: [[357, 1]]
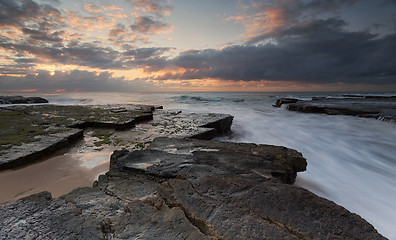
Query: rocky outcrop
[[188, 189], [38, 131], [282, 101], [21, 100], [382, 108], [30, 133], [19, 155]]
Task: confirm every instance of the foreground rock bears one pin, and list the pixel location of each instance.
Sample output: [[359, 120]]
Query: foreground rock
[[21, 100], [379, 107], [188, 189], [30, 133]]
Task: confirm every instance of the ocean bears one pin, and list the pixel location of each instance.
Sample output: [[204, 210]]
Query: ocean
[[351, 160]]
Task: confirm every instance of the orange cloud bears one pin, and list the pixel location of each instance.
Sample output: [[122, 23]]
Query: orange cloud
[[113, 8], [77, 22], [267, 19], [91, 8], [152, 6], [22, 90], [117, 15]]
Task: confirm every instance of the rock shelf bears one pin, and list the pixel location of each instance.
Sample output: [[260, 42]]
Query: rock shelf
[[379, 107], [188, 189], [30, 133], [171, 184]]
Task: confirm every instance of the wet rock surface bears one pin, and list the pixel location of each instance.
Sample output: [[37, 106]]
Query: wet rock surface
[[379, 107], [188, 189], [33, 132], [21, 100], [282, 101], [18, 155]]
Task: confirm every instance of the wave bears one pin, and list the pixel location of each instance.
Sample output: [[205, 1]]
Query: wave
[[202, 99], [185, 98], [68, 101]]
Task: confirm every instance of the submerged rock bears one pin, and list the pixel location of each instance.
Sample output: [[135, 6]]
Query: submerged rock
[[189, 189]]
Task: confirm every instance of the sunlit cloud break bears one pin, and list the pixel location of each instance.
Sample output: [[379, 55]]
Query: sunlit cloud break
[[115, 45]]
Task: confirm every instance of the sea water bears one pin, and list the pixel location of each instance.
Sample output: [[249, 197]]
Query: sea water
[[351, 160]]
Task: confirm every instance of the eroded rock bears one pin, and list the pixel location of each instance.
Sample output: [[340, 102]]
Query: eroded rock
[[185, 188], [30, 133], [189, 189], [379, 107], [282, 101]]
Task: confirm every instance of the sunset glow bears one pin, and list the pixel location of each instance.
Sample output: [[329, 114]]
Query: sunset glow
[[169, 45]]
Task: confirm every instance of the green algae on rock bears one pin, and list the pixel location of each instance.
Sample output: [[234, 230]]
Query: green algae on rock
[[29, 133]]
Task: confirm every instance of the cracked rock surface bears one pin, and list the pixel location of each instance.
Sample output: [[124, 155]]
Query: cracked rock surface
[[188, 189]]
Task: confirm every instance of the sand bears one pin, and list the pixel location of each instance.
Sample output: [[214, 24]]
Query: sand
[[58, 174]]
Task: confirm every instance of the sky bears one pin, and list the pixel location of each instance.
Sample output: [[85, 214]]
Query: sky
[[205, 45]]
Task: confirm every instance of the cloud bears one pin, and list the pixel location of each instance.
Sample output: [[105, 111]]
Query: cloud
[[149, 26], [75, 54], [75, 80], [112, 7], [264, 19], [92, 8], [145, 53], [43, 35], [78, 22], [85, 54], [119, 34], [158, 7], [17, 12], [317, 51]]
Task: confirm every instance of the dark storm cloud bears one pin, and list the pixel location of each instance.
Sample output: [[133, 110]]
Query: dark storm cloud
[[319, 51], [276, 15], [390, 1], [321, 6]]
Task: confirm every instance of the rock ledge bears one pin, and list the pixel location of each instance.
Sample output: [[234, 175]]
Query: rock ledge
[[188, 189]]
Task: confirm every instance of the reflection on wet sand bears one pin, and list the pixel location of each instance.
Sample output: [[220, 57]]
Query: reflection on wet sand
[[58, 174]]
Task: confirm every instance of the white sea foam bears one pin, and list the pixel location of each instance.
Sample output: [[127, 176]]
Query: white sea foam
[[351, 161]]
